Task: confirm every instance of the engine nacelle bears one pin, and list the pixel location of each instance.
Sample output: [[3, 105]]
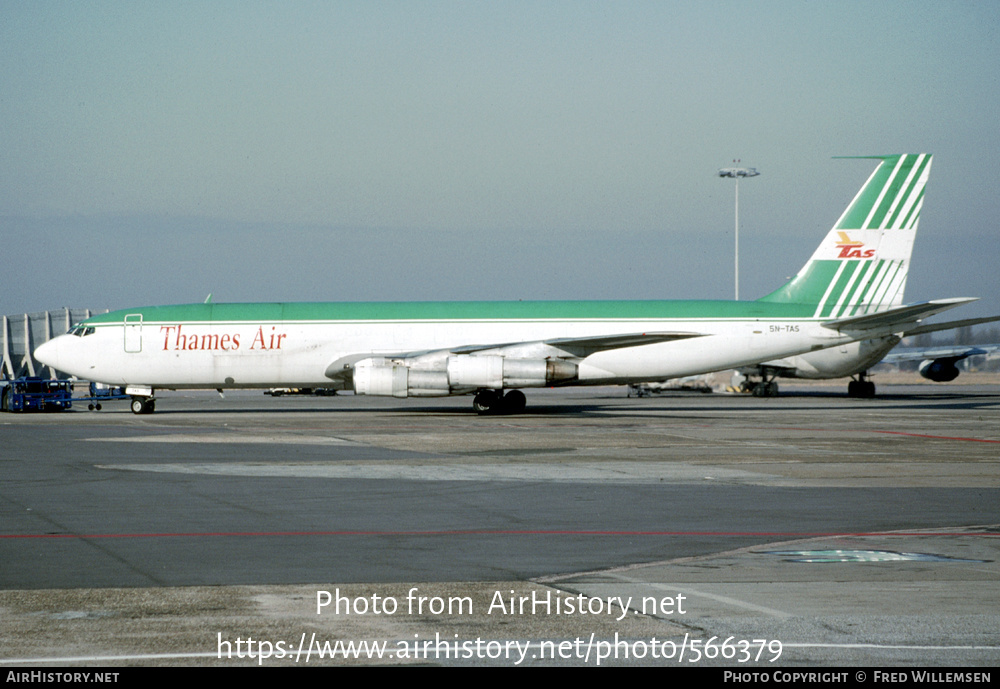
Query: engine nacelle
[[497, 372], [380, 376], [939, 370]]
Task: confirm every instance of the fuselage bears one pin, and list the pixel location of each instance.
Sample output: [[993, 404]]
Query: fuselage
[[295, 344], [847, 359]]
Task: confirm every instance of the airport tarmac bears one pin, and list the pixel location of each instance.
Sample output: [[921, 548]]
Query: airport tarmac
[[682, 529]]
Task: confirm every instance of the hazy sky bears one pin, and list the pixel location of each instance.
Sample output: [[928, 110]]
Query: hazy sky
[[153, 152]]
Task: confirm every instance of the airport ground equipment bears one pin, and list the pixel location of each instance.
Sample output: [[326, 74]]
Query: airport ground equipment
[[36, 394], [100, 393]]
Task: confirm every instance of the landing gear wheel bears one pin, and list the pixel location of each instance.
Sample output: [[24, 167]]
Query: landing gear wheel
[[861, 388], [765, 389], [143, 405], [495, 402], [514, 402], [485, 401]]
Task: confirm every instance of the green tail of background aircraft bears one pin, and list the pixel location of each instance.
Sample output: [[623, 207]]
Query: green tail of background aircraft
[[850, 290]]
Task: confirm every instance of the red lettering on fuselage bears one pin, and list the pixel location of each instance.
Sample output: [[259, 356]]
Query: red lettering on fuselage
[[175, 339], [270, 341], [165, 329]]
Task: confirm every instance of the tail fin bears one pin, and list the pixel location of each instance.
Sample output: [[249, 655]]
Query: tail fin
[[862, 264]]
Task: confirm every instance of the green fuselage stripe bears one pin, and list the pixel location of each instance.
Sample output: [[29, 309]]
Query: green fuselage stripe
[[462, 311]]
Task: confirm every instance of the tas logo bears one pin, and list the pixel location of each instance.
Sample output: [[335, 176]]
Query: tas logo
[[852, 249]]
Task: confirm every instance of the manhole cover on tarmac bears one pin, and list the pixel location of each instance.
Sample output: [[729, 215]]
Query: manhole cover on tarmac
[[862, 556]]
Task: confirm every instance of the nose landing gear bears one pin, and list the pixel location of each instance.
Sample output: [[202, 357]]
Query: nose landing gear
[[143, 405]]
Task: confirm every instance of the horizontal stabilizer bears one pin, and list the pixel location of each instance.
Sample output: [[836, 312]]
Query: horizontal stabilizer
[[935, 327], [900, 315]]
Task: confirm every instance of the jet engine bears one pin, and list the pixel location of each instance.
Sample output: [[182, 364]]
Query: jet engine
[[939, 370], [464, 373]]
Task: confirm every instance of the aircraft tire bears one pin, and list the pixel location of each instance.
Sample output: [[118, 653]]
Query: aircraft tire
[[495, 402], [143, 405], [514, 402], [861, 388], [485, 402]]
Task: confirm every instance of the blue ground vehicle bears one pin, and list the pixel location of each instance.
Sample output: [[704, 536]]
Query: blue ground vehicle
[[36, 394], [100, 392]]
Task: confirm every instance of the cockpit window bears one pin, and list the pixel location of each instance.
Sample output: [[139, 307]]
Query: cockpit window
[[81, 331]]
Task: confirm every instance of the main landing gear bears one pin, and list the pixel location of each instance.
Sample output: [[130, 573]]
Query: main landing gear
[[764, 388], [862, 387], [143, 405], [496, 402]]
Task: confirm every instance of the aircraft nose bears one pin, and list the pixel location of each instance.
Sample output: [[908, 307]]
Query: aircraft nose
[[48, 352]]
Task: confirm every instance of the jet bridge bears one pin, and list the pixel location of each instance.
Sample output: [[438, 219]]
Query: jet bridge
[[20, 334]]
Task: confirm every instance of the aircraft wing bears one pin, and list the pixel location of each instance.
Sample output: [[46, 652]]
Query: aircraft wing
[[923, 353], [902, 316], [562, 347], [589, 344]]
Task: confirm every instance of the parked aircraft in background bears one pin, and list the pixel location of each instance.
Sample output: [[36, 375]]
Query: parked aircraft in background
[[850, 290], [738, 171], [939, 363]]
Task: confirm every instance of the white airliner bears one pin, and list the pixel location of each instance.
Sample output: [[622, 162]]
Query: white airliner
[[850, 290], [939, 363]]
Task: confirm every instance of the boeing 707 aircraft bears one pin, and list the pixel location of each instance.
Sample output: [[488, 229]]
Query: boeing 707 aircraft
[[849, 290]]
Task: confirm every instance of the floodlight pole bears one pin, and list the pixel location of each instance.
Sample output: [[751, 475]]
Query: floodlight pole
[[736, 233], [736, 173]]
